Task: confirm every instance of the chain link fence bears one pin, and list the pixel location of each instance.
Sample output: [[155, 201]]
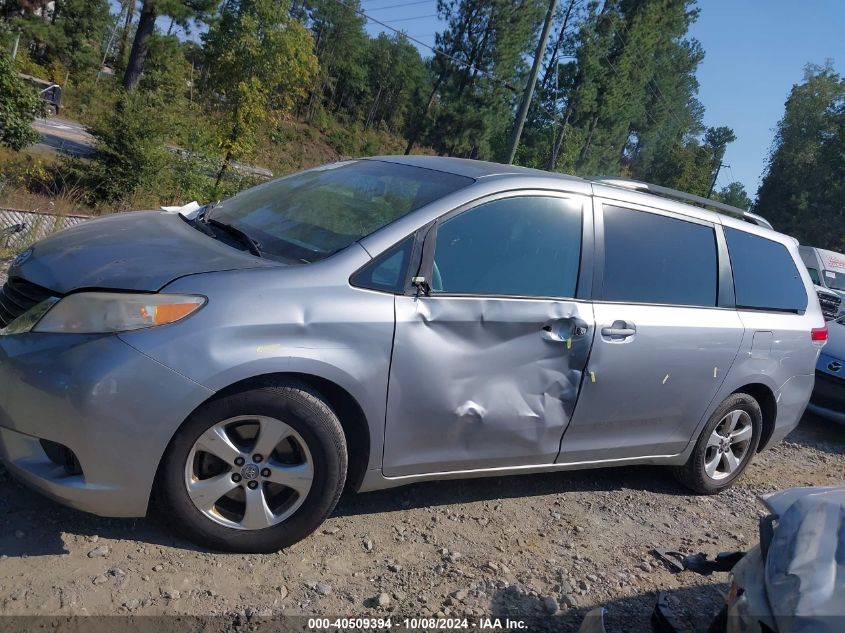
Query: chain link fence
[[19, 228]]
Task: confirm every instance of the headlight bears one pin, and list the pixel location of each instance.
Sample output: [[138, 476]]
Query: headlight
[[103, 312]]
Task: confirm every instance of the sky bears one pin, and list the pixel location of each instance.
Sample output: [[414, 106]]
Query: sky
[[756, 51]]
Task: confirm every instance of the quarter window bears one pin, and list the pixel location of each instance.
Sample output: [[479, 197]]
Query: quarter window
[[765, 275], [387, 272], [652, 258], [521, 246]]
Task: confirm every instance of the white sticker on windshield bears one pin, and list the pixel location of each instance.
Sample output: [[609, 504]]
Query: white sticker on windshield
[[827, 273]]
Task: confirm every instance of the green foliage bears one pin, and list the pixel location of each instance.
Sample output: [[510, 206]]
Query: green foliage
[[803, 192], [69, 41], [735, 195], [182, 12], [258, 60], [131, 152], [472, 104], [19, 105]]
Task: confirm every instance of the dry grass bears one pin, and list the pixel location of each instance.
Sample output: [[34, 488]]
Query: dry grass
[[36, 180]]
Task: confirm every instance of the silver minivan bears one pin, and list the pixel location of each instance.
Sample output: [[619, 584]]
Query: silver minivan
[[379, 322]]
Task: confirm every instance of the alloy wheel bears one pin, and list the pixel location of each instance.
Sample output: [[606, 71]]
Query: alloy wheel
[[249, 472], [728, 445]]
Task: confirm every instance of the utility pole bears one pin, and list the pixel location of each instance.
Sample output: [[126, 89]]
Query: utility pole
[[532, 82], [715, 177], [15, 46]]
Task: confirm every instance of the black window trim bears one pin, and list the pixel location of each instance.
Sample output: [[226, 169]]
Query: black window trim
[[724, 276], [583, 286]]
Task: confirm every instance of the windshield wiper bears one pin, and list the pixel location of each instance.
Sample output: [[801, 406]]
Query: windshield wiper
[[235, 232]]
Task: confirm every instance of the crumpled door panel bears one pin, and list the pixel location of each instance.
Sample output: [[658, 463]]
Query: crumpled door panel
[[482, 382]]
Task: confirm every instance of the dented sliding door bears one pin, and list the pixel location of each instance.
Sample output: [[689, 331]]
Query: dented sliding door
[[487, 365]]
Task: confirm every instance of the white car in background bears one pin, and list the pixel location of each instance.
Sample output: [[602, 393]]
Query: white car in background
[[827, 270]]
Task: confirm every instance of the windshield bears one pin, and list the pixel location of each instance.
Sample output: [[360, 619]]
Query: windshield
[[312, 214], [834, 280]]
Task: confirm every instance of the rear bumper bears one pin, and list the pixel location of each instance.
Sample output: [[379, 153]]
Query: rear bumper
[[113, 407], [791, 399]]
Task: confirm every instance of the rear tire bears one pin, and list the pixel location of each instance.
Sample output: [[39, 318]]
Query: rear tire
[[725, 447], [219, 491]]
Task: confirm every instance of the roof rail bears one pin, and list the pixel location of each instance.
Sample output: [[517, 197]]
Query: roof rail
[[636, 185]]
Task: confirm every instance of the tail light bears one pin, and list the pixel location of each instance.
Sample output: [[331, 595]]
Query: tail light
[[819, 334]]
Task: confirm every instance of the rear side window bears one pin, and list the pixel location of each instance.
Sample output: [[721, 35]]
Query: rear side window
[[521, 246], [765, 275], [652, 258]]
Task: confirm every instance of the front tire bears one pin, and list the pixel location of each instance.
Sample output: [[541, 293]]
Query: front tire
[[725, 446], [255, 471]]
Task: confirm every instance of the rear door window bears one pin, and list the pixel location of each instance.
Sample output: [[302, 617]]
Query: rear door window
[[765, 275], [651, 258]]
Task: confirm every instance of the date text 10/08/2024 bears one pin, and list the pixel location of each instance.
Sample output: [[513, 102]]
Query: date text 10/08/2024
[[413, 624]]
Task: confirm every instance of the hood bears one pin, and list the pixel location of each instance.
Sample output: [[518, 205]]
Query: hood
[[141, 251]]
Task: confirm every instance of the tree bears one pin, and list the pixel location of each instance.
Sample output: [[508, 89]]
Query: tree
[[181, 11], [803, 192], [19, 105], [630, 96], [469, 110], [396, 76], [259, 60], [79, 27], [131, 148], [735, 195], [341, 46]]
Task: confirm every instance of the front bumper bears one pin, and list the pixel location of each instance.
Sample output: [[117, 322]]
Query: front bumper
[[828, 399], [113, 407]]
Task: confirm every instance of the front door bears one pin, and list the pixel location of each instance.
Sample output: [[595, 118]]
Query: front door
[[487, 365], [666, 336]]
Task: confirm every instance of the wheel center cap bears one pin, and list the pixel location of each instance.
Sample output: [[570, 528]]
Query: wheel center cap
[[249, 472]]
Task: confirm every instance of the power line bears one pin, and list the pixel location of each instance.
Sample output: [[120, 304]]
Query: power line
[[399, 6], [444, 54], [418, 17], [428, 46]]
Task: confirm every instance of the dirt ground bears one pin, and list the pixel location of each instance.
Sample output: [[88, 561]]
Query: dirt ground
[[548, 546]]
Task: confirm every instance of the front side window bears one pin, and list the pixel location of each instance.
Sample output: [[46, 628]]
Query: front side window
[[521, 246], [814, 275], [765, 275], [652, 258], [312, 214]]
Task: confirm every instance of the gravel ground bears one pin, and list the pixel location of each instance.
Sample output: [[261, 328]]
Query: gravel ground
[[550, 546]]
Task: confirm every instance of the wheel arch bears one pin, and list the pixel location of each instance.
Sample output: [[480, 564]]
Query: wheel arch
[[352, 419], [765, 397]]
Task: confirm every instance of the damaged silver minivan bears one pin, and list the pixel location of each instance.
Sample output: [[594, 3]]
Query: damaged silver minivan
[[378, 322]]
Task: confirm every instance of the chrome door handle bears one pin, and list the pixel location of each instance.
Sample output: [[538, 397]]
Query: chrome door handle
[[619, 330], [622, 332]]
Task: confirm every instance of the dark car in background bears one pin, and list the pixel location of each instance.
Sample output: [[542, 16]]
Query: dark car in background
[[50, 92], [828, 398]]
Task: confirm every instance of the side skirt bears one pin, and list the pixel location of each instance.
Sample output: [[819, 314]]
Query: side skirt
[[375, 480]]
